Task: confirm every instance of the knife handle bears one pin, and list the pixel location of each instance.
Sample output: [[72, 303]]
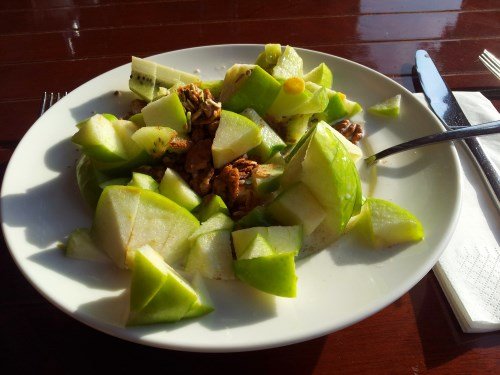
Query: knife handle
[[488, 172]]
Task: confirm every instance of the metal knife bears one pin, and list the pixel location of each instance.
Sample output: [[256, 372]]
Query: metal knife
[[445, 106]]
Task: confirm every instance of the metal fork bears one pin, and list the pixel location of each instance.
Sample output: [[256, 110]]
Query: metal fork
[[491, 62], [51, 98]]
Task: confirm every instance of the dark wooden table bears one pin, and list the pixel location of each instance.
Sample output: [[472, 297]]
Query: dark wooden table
[[56, 45]]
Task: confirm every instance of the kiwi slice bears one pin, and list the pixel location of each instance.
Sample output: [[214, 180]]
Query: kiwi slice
[[143, 78]]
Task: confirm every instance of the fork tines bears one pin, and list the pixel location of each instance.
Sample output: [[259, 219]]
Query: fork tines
[[51, 98], [491, 62]]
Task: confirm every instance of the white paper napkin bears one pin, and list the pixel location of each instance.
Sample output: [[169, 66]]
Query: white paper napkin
[[469, 269]]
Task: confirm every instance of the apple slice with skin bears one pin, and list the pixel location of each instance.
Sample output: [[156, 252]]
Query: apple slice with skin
[[158, 293], [264, 269], [271, 142], [81, 246], [203, 304], [322, 163], [266, 178], [248, 86], [218, 221], [175, 188], [321, 75], [114, 220], [282, 239], [257, 217], [163, 225], [269, 57], [211, 256], [297, 206], [166, 111], [99, 140], [210, 205], [143, 181], [235, 136], [289, 65], [383, 224]]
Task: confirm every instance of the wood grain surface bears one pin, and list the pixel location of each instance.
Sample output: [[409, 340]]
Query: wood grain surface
[[57, 45]]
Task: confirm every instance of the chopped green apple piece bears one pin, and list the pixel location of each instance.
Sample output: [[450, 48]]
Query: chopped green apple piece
[[217, 222], [143, 181], [81, 246], [257, 217], [382, 224], [99, 140], [352, 107], [271, 142], [175, 188], [336, 108], [322, 163], [114, 220], [297, 206], [162, 224], [142, 78], [248, 86], [389, 107], [88, 179], [211, 256], [166, 111], [282, 239], [137, 119], [266, 178], [321, 75], [289, 65], [264, 269], [158, 294], [235, 136], [154, 139], [210, 205], [269, 57], [294, 99]]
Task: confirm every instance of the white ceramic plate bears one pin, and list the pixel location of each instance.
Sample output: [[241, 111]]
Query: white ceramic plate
[[337, 287]]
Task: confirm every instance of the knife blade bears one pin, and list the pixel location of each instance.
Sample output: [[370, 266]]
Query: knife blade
[[445, 106]]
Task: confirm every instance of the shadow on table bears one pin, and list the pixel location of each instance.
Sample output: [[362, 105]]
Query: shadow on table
[[440, 334]]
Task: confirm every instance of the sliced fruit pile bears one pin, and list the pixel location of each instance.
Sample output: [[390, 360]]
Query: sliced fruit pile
[[227, 179]]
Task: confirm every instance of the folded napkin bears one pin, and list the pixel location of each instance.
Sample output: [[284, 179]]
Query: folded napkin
[[469, 269]]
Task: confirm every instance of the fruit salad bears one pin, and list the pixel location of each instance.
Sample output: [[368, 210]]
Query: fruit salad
[[232, 179]]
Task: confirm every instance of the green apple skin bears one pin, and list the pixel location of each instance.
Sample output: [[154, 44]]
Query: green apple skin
[[211, 256], [297, 206], [282, 239], [81, 246], [389, 107], [323, 164], [383, 224], [210, 205], [273, 274], [235, 136], [88, 179], [114, 220], [295, 128], [166, 111], [158, 293], [271, 142], [321, 75], [248, 86], [143, 181], [175, 188], [137, 119], [99, 140], [259, 247], [354, 151]]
